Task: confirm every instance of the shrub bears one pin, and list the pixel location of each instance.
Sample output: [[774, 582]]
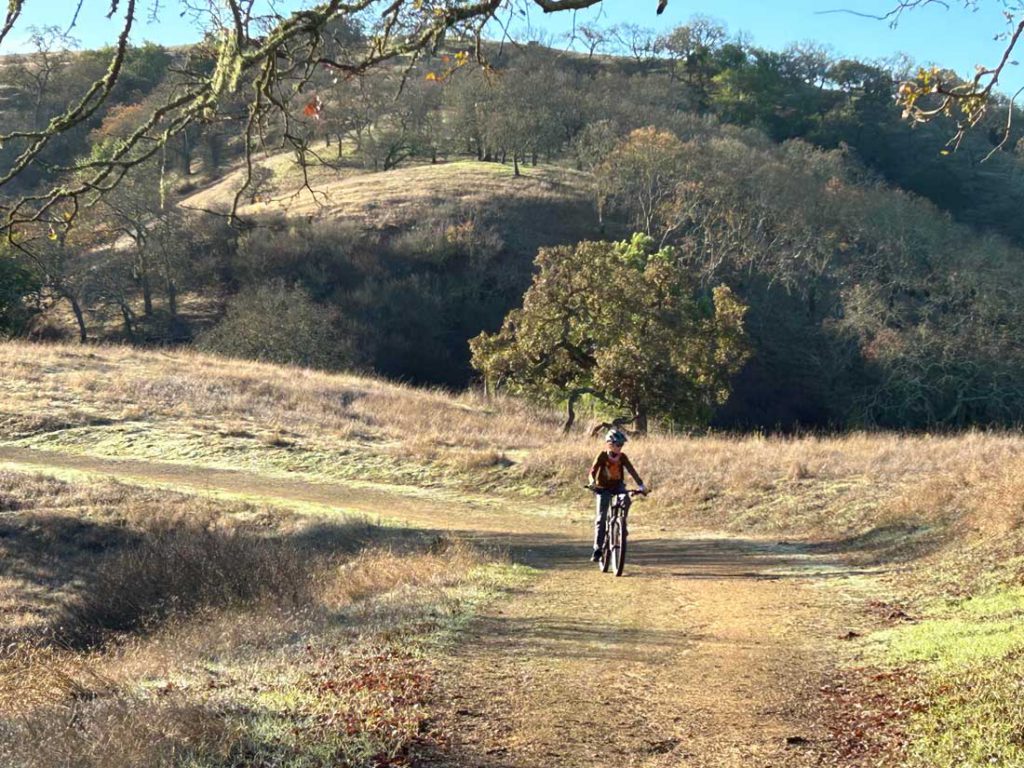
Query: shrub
[[280, 324]]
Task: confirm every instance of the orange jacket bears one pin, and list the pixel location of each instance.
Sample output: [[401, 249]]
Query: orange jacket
[[608, 475]]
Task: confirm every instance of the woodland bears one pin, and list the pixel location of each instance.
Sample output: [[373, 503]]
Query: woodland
[[874, 258]]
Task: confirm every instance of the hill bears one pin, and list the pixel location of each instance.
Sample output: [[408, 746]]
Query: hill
[[399, 198], [782, 175]]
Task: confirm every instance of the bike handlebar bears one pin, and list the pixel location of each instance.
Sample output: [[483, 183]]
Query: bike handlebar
[[630, 491]]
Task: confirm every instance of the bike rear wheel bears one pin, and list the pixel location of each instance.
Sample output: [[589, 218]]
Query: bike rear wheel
[[617, 534], [606, 557]]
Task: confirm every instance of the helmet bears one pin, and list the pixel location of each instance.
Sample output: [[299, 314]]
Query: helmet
[[615, 437]]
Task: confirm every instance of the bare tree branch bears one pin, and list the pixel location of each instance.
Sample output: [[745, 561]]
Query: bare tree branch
[[273, 58]]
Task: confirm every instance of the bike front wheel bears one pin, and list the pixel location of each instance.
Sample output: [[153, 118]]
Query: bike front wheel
[[618, 546]]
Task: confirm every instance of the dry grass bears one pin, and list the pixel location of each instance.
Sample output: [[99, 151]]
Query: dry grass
[[170, 630], [182, 406], [83, 562], [227, 679], [888, 494], [381, 200]]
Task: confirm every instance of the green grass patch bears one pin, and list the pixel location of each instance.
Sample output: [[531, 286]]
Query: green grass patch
[[969, 656]]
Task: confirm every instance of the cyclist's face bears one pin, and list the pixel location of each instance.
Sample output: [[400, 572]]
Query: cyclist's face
[[613, 449]]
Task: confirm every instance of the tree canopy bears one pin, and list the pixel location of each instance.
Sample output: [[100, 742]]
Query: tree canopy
[[623, 323]]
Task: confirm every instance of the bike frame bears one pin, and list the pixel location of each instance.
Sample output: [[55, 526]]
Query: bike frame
[[618, 512]]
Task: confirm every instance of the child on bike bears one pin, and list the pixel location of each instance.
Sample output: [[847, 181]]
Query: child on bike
[[607, 477]]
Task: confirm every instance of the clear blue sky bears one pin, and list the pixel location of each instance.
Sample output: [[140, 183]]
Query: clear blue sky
[[955, 38]]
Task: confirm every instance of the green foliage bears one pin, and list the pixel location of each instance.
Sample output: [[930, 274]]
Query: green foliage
[[279, 324], [18, 289], [867, 305], [622, 322]]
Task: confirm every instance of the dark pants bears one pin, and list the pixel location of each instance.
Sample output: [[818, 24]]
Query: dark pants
[[604, 500]]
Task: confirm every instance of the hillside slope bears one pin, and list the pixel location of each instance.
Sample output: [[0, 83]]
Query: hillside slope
[[546, 205]]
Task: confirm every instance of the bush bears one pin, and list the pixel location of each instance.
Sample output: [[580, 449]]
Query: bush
[[17, 289], [280, 324]]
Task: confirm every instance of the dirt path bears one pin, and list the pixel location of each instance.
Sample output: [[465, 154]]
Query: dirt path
[[708, 652]]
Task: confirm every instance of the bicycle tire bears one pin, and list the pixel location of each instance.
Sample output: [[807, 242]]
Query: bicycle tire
[[620, 552], [605, 561], [618, 546]]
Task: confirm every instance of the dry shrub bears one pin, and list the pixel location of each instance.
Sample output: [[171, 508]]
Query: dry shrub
[[60, 708], [91, 559], [177, 566], [378, 571]]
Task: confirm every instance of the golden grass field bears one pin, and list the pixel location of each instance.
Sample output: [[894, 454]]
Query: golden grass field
[[187, 407], [379, 200], [941, 515], [144, 627]]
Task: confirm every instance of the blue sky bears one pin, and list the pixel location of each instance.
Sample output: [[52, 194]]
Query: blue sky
[[953, 37]]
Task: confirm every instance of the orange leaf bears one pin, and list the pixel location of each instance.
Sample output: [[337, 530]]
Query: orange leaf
[[313, 108]]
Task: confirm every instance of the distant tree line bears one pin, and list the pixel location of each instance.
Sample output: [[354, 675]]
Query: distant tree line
[[879, 271]]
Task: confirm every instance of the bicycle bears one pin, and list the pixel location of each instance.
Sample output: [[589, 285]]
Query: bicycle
[[613, 552]]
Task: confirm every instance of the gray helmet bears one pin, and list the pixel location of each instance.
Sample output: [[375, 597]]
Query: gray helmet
[[616, 437]]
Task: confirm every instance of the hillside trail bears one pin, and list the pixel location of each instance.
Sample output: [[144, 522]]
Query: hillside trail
[[708, 652]]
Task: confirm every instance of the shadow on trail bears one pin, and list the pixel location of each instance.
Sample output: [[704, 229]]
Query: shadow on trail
[[581, 638], [699, 558]]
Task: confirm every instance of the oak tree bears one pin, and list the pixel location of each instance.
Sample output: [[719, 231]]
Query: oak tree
[[623, 323]]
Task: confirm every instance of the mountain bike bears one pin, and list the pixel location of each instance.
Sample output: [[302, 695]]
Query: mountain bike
[[613, 553]]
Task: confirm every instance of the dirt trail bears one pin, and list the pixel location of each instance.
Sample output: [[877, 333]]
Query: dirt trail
[[708, 652]]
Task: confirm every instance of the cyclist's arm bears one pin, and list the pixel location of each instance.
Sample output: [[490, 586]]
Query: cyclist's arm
[[595, 468], [629, 468]]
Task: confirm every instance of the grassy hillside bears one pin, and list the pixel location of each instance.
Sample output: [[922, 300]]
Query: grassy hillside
[[546, 205], [390, 198], [938, 517], [187, 407]]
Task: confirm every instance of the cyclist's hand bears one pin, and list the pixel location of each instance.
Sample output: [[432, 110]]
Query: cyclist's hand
[[643, 489]]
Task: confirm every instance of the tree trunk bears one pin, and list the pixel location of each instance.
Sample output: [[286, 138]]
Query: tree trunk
[[126, 314], [186, 154], [172, 298], [570, 412], [640, 421], [147, 295], [515, 163], [533, 160], [216, 151], [83, 335]]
